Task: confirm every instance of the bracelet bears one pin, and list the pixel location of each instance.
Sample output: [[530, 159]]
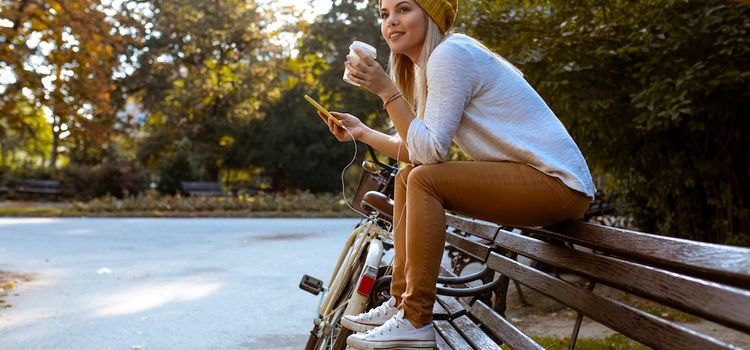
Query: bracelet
[[391, 99]]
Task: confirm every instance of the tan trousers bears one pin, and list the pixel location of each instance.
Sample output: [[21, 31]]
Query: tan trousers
[[506, 193]]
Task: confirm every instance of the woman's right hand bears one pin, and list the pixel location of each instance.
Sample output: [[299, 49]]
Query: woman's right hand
[[369, 74], [352, 123]]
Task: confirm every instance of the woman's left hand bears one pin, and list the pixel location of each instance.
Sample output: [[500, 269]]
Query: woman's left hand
[[368, 73]]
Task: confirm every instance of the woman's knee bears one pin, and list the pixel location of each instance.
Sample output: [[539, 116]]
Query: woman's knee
[[423, 175], [402, 177]]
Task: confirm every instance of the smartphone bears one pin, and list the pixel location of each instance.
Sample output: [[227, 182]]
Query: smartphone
[[324, 111]]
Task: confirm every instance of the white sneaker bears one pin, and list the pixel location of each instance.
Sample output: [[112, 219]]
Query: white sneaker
[[396, 333], [371, 319]]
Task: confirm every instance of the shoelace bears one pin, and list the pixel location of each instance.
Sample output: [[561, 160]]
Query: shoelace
[[388, 325], [377, 311]]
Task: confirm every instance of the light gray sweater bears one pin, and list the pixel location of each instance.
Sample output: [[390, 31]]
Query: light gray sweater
[[483, 104]]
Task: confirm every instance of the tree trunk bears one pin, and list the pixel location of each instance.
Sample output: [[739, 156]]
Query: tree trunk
[[55, 143]]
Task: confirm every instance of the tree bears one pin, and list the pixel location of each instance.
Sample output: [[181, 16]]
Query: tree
[[205, 67], [655, 93], [323, 49], [293, 146], [61, 56]]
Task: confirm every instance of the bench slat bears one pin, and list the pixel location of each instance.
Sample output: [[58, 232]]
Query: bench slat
[[636, 324], [721, 263], [201, 188], [440, 342], [475, 336], [474, 249], [37, 186], [501, 328], [709, 300], [481, 229], [451, 335], [452, 307], [26, 189], [439, 312]]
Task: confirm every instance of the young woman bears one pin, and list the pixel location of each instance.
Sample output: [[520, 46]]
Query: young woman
[[526, 169]]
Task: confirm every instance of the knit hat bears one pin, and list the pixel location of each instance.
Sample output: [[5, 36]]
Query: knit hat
[[443, 12]]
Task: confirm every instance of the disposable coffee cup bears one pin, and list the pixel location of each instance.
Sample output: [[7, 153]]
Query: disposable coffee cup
[[366, 48]]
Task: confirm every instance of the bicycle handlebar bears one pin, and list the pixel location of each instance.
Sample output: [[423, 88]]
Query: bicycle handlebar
[[377, 161]]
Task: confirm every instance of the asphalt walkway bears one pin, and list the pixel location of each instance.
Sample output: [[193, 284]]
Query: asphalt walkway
[[164, 283]]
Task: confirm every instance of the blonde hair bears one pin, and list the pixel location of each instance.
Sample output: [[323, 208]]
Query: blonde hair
[[403, 71]]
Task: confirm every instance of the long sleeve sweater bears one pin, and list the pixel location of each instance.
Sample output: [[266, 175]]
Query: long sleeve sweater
[[479, 101]]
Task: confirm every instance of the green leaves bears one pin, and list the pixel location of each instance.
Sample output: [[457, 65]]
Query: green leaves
[[654, 92], [205, 68]]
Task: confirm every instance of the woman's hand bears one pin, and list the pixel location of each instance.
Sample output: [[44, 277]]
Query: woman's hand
[[352, 123], [368, 73]]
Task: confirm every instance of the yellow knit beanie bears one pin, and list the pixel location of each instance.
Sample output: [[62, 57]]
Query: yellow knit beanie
[[443, 12]]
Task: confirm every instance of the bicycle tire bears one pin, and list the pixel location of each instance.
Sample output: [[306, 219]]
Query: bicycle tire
[[312, 340], [340, 342], [381, 291], [340, 333]]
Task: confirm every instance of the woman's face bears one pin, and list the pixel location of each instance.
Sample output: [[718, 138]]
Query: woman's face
[[404, 26]]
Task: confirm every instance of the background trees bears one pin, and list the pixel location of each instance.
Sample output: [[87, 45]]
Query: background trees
[[205, 69], [58, 60], [655, 92]]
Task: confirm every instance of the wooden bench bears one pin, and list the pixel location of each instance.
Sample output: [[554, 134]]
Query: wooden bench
[[708, 281], [36, 187], [200, 188]]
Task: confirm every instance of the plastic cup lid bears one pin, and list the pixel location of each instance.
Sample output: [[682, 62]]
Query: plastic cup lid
[[363, 46]]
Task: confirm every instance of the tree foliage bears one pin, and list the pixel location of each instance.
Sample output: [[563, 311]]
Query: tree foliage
[[205, 68], [294, 147], [323, 49], [61, 56], [655, 92]]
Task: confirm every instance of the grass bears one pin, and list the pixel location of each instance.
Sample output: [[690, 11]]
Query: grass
[[32, 211], [659, 310], [47, 212], [613, 342]]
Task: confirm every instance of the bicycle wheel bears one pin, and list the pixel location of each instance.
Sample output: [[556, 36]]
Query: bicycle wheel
[[340, 343], [339, 334], [313, 339], [381, 292]]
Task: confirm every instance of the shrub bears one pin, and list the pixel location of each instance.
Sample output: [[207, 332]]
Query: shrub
[[182, 165], [115, 178], [152, 201]]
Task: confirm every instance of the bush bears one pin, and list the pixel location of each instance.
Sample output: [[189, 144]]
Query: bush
[[654, 92], [152, 202], [116, 178], [5, 176], [179, 166]]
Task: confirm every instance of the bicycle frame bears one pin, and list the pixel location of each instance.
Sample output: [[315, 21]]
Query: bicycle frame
[[367, 234], [357, 268]]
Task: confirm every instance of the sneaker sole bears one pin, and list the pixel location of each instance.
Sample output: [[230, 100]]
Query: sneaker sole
[[354, 326], [411, 345]]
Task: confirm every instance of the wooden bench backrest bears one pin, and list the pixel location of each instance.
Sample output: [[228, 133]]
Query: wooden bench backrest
[[200, 187], [707, 280], [37, 186]]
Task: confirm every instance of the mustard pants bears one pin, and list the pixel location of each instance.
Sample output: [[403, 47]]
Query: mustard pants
[[506, 193]]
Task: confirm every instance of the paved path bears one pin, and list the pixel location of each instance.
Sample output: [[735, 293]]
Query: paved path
[[164, 283]]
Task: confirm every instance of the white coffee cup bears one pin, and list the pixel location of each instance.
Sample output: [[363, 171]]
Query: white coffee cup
[[366, 48]]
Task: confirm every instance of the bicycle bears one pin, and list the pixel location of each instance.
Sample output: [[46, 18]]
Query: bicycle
[[361, 279], [361, 263]]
